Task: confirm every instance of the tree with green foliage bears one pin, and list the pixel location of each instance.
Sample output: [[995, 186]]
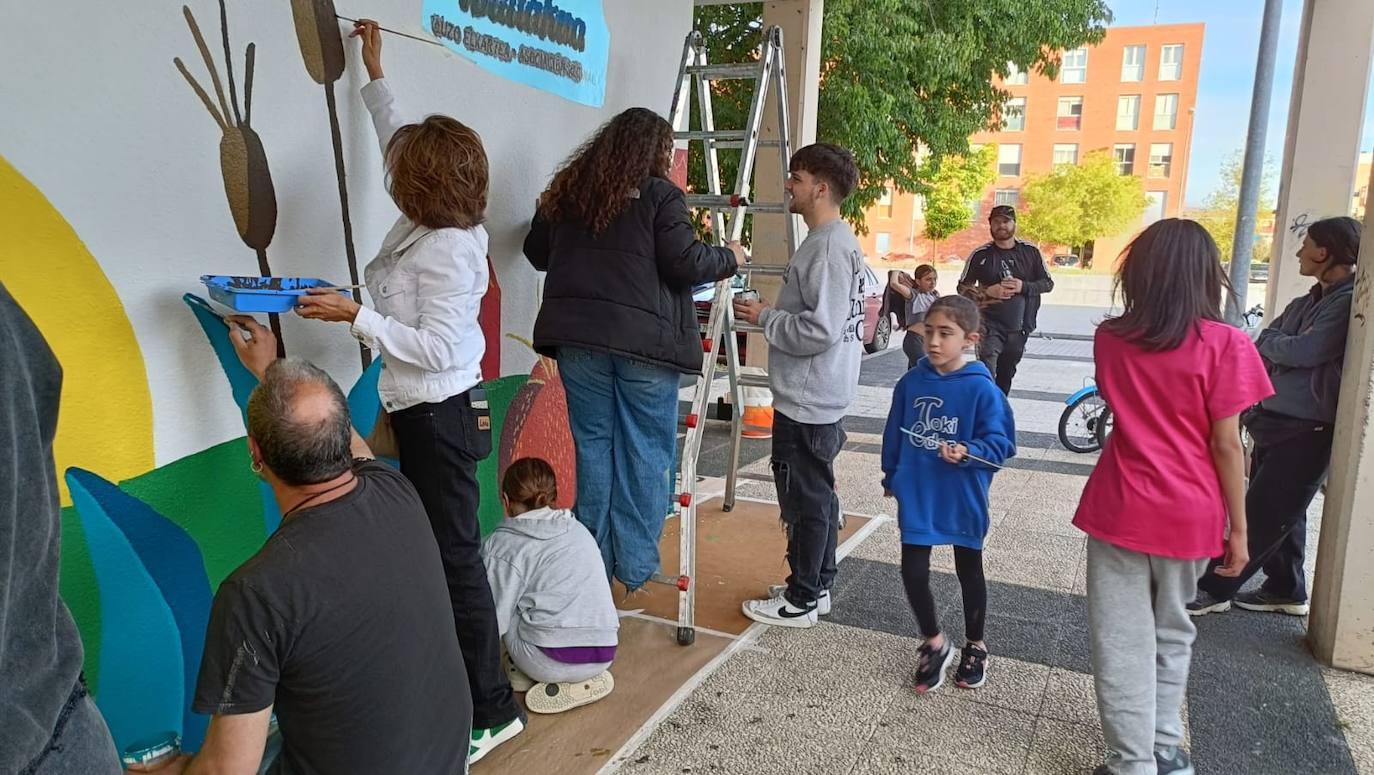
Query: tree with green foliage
[[956, 182], [1076, 204], [1219, 215], [902, 76]]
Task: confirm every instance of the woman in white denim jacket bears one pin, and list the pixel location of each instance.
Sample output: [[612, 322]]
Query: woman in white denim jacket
[[427, 284]]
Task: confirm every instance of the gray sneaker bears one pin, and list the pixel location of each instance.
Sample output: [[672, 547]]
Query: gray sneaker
[[822, 602], [1173, 762]]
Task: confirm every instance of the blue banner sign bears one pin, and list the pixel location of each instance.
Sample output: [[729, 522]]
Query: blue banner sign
[[560, 46]]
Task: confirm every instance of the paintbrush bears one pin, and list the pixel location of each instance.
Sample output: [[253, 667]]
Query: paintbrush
[[393, 32], [929, 440]]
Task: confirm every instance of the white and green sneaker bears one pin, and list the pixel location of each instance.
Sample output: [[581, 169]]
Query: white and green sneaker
[[484, 741]]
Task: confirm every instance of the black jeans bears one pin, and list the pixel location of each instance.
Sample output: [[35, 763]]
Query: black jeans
[[1284, 477], [440, 445], [804, 474], [914, 347], [968, 564], [1001, 351]]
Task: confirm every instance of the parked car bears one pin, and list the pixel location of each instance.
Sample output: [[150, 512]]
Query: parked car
[[1066, 259], [877, 327]]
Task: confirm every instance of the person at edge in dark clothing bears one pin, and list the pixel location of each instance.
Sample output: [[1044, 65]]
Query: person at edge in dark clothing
[[1303, 350], [1006, 277], [48, 723]]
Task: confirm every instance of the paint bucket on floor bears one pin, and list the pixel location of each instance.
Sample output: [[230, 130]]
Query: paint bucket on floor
[[757, 417]]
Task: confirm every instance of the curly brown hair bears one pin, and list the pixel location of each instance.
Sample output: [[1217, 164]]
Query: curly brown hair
[[594, 185], [437, 173]]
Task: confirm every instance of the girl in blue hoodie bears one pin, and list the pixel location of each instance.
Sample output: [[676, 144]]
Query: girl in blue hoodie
[[949, 430]]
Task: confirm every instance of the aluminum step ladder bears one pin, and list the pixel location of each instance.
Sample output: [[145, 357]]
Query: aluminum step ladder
[[727, 213]]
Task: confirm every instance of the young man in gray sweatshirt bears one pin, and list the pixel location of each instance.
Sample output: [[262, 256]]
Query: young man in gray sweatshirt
[[815, 340]]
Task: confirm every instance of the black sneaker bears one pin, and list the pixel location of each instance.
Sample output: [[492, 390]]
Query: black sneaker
[[1259, 600], [973, 668], [930, 670], [1173, 762], [1205, 603]]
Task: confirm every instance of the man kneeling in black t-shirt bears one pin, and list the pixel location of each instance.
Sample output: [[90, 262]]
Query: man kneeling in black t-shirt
[[342, 621]]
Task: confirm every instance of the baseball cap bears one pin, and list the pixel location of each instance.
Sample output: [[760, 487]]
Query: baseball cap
[[1002, 211]]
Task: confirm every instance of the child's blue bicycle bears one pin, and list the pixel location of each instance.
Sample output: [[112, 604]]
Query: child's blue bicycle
[[1087, 420]]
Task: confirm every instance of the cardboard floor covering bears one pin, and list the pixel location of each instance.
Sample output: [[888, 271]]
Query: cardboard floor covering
[[649, 667], [739, 554]]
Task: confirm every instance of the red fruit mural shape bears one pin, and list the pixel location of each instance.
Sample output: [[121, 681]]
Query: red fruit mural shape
[[489, 316], [537, 426]]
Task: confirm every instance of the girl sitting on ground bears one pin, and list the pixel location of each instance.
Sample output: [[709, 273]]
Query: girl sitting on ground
[[553, 605]]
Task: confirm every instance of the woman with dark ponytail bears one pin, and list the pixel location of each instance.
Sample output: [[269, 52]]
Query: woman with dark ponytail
[[1303, 349]]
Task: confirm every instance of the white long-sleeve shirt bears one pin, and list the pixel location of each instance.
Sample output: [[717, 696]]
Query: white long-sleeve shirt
[[427, 287]]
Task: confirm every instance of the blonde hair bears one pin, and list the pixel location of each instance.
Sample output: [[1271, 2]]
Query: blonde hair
[[437, 173]]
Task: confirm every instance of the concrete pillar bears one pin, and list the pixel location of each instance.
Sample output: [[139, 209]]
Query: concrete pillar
[[800, 21], [1341, 627], [1325, 116]]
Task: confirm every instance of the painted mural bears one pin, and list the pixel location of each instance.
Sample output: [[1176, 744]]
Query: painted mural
[[146, 545]]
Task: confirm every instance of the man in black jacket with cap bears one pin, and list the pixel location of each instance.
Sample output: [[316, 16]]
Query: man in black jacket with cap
[[1006, 277]]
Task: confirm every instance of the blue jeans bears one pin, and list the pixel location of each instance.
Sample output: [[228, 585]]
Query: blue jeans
[[623, 414]]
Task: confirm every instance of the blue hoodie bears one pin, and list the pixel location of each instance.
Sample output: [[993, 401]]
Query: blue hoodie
[[939, 503]]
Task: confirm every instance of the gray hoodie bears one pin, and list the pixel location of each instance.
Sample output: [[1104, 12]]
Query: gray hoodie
[[40, 650], [815, 331], [549, 581]]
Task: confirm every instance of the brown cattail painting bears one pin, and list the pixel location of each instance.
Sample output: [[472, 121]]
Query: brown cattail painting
[[243, 162], [321, 44]]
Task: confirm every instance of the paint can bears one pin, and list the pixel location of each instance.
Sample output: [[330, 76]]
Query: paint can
[[151, 753]]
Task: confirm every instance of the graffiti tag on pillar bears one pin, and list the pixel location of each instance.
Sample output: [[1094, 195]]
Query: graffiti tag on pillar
[[1298, 228]]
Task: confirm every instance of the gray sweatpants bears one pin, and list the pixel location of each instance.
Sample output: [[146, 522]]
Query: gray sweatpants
[[534, 663], [1142, 642]]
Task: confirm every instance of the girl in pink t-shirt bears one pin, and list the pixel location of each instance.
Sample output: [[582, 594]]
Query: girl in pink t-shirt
[[1170, 480]]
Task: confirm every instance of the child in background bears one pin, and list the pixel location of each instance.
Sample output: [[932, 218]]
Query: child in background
[[948, 429], [553, 605], [919, 292], [1156, 506]]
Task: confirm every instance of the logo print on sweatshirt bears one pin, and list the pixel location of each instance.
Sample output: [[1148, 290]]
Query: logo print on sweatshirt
[[934, 428]]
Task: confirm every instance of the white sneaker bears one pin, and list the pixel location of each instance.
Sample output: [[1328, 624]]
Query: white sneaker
[[560, 697], [779, 613], [822, 602], [519, 682]]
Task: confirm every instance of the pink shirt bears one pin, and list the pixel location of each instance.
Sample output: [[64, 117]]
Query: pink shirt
[[1155, 489]]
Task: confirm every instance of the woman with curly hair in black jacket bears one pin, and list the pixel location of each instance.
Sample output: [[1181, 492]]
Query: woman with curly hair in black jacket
[[616, 239]]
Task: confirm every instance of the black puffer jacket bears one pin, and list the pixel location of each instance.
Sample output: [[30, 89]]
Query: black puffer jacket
[[627, 291]]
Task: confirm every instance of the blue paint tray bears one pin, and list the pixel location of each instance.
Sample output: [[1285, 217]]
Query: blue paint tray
[[260, 294]]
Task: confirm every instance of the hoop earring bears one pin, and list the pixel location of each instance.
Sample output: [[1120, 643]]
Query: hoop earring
[[255, 466]]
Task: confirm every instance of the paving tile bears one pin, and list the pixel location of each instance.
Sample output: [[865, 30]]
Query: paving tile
[[1069, 697], [1031, 559], [1012, 684], [1060, 748], [1352, 695], [986, 738], [901, 761]]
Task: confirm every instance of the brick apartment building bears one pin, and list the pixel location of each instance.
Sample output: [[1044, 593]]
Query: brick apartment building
[[1132, 95]]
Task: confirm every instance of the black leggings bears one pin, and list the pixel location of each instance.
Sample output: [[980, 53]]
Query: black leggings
[[968, 563]]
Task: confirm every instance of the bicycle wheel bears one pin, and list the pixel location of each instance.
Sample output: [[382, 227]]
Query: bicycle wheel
[[1079, 425]]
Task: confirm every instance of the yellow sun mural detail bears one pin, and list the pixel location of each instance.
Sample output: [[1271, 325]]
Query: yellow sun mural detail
[[106, 421]]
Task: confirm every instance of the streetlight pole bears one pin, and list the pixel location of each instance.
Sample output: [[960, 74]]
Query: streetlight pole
[[1252, 171]]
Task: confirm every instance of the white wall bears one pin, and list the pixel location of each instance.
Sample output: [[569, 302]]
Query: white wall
[[98, 118]]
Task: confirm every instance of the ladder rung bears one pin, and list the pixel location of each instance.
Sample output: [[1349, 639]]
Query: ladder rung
[[768, 207], [727, 144], [717, 200], [725, 135], [723, 71], [764, 269], [746, 328], [753, 380]]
